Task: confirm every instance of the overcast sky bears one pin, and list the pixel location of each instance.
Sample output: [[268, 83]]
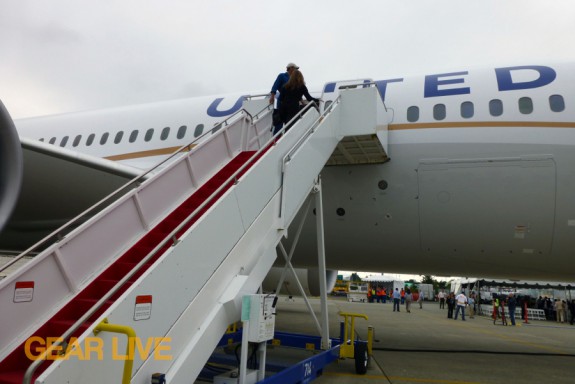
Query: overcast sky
[[67, 55]]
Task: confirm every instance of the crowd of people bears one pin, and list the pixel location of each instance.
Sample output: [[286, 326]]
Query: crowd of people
[[504, 306], [554, 309], [557, 309], [379, 294], [458, 303]]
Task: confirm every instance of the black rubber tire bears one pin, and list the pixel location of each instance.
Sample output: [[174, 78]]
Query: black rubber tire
[[361, 358]]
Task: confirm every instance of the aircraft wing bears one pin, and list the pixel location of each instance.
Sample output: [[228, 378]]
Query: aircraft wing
[[56, 185]]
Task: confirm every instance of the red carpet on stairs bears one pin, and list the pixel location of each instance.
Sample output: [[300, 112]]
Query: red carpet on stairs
[[12, 368]]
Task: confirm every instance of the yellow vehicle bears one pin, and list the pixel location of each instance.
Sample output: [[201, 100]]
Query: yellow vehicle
[[341, 288]]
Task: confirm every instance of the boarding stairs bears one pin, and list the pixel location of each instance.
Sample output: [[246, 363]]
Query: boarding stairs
[[171, 259]]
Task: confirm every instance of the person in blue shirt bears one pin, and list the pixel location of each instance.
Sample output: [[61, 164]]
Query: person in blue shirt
[[281, 80], [396, 296]]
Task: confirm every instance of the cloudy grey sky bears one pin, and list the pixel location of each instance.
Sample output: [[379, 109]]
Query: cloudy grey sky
[[67, 55]]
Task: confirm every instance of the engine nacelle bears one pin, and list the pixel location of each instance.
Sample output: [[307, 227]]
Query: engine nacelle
[[11, 166], [309, 279]]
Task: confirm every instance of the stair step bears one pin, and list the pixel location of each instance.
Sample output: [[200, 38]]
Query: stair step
[[13, 367], [12, 377]]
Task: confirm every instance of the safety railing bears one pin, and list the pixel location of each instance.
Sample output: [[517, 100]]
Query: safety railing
[[308, 131], [300, 142], [170, 237], [354, 84], [61, 232], [264, 115]]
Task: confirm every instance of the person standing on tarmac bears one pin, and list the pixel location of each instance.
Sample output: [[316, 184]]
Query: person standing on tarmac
[[450, 300], [559, 310], [471, 302], [396, 297], [495, 313], [511, 305], [461, 301], [379, 294], [281, 80], [441, 296], [408, 300]]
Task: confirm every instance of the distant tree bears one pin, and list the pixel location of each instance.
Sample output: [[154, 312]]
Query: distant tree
[[412, 285], [354, 277], [437, 285], [427, 279], [445, 285]]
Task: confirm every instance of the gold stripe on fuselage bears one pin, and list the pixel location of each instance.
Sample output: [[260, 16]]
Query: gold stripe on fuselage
[[392, 127], [482, 124], [150, 153]]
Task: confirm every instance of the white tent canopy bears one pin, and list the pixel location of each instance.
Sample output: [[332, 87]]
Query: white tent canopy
[[457, 284], [382, 277]]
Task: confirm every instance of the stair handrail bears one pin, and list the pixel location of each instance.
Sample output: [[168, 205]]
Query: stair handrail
[[303, 138], [42, 358], [172, 235], [169, 237], [57, 234], [310, 130], [364, 85]]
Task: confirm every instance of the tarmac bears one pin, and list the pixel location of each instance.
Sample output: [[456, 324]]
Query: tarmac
[[424, 346]]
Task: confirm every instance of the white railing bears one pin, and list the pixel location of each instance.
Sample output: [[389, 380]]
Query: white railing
[[258, 188], [67, 266]]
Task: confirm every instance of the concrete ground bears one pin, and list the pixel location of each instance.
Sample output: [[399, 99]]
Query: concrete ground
[[425, 347]]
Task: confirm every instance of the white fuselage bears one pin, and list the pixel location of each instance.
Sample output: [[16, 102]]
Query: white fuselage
[[481, 179]]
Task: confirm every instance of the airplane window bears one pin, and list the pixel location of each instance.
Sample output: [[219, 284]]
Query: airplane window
[[439, 111], [90, 139], [52, 140], [104, 138], [42, 139], [118, 137], [199, 129], [77, 140], [165, 133], [412, 114], [495, 107], [181, 132], [525, 105], [467, 109], [149, 134], [133, 135], [556, 103], [64, 141]]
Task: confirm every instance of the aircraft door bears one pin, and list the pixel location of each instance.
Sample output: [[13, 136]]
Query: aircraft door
[[480, 207]]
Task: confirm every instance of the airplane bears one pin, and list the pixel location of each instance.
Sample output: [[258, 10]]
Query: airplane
[[480, 178]]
